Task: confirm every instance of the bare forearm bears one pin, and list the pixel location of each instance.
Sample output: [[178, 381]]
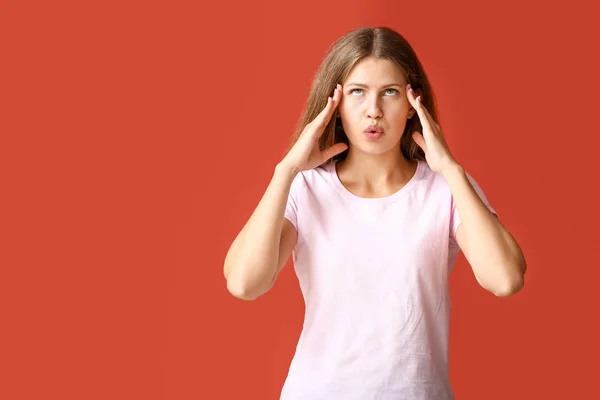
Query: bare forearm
[[494, 255], [252, 258]]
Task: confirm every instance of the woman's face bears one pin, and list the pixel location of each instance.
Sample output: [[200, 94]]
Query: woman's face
[[374, 96]]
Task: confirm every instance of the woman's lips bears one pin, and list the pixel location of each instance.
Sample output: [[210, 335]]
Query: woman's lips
[[373, 132], [373, 135], [374, 128]]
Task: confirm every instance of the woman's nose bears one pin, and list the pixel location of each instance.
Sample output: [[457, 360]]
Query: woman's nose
[[374, 109]]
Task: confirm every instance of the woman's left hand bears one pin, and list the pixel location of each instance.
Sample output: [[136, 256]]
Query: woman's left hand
[[432, 140]]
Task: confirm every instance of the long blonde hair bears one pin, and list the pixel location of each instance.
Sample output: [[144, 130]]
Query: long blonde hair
[[341, 57]]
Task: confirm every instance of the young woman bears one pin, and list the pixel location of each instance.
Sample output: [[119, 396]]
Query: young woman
[[374, 208]]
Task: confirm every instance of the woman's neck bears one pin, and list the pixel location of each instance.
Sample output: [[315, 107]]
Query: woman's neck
[[374, 175]]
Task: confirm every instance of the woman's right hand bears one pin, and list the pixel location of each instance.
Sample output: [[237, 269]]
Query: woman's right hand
[[305, 153]]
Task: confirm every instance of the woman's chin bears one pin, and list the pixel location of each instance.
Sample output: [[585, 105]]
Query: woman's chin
[[375, 147]]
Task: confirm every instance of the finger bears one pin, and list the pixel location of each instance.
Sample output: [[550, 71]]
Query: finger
[[333, 150], [321, 119], [436, 127], [430, 118], [315, 127], [415, 101], [424, 116], [426, 122], [338, 96], [420, 140], [425, 110], [332, 102]]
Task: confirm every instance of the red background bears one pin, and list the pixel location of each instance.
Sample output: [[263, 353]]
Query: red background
[[137, 138]]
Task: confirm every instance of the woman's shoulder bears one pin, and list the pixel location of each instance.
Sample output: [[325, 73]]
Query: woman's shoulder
[[314, 178], [319, 174], [431, 180]]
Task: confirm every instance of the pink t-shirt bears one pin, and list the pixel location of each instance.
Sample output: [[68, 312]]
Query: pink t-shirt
[[374, 276]]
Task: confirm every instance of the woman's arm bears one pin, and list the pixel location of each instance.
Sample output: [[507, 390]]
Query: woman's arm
[[265, 243], [494, 255], [254, 259]]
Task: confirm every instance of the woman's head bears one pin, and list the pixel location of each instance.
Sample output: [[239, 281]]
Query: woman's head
[[373, 65]]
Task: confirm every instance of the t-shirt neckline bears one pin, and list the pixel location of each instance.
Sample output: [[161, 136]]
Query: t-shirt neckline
[[373, 200]]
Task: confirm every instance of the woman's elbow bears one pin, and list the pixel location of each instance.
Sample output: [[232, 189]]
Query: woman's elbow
[[510, 285], [245, 290]]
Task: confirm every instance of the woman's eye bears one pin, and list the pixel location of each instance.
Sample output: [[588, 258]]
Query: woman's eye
[[360, 91]]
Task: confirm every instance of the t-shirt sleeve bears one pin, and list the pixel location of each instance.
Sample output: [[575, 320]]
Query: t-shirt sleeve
[[455, 218], [291, 208]]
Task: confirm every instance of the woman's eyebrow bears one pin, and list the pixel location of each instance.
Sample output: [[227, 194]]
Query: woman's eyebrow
[[362, 85]]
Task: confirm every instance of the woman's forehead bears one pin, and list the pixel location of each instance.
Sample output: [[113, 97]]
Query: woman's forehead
[[376, 72]]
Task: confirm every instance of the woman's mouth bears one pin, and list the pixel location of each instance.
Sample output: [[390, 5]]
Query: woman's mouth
[[373, 132]]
